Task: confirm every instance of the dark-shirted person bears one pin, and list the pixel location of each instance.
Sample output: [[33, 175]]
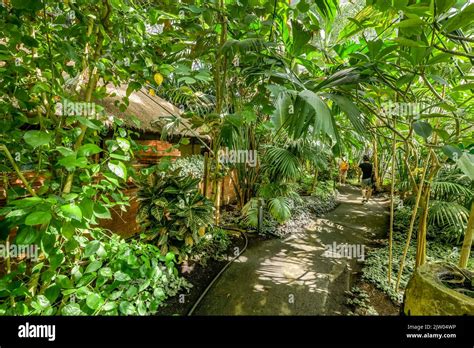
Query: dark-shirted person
[[366, 178]]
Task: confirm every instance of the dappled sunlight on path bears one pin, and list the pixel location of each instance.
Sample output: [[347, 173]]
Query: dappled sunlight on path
[[298, 275]]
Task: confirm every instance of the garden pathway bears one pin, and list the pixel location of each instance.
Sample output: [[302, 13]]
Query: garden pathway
[[298, 275]]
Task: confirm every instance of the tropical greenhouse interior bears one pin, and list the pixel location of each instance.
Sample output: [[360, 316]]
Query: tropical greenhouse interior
[[236, 158]]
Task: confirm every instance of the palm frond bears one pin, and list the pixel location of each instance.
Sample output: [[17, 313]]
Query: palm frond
[[445, 214], [281, 163], [449, 191], [280, 208]]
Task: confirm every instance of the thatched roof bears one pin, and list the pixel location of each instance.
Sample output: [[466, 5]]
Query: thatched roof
[[152, 112]]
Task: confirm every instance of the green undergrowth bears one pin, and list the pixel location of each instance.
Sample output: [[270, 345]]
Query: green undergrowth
[[109, 276], [376, 263]]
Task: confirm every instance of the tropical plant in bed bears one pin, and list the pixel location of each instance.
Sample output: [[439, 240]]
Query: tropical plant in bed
[[172, 211]]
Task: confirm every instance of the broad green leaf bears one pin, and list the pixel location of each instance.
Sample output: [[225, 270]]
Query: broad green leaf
[[101, 212], [71, 162], [26, 235], [109, 306], [423, 129], [412, 22], [64, 282], [466, 163], [133, 86], [87, 208], [118, 168], [31, 5], [43, 301], [121, 277], [93, 266], [37, 138], [126, 308], [94, 301], [123, 143], [88, 150], [106, 272], [38, 218], [408, 42], [91, 248], [452, 152], [72, 309], [27, 202], [72, 211], [88, 123], [67, 230], [460, 20]]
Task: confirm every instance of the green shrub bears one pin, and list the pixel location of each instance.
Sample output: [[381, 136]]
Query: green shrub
[[172, 211], [376, 263], [213, 245], [109, 277]]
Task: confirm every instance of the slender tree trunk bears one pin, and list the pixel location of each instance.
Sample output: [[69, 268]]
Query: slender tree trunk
[[422, 226], [220, 85], [217, 202], [206, 174], [315, 180], [376, 165], [392, 210], [17, 170], [93, 79], [412, 222], [467, 243]]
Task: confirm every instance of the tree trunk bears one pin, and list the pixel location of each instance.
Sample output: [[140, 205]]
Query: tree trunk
[[421, 239], [218, 201], [315, 180], [412, 222], [467, 243], [392, 211], [206, 174], [376, 166]]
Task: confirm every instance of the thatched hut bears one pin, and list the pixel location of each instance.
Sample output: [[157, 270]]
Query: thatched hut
[[157, 121]]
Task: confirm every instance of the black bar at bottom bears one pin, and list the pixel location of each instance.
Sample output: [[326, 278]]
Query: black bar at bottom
[[136, 331]]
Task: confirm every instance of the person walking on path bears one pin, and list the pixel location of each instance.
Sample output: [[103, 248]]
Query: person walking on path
[[366, 170], [343, 168]]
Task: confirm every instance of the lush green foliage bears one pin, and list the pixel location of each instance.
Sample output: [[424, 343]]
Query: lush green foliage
[[376, 263], [172, 212], [298, 82], [108, 276]]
